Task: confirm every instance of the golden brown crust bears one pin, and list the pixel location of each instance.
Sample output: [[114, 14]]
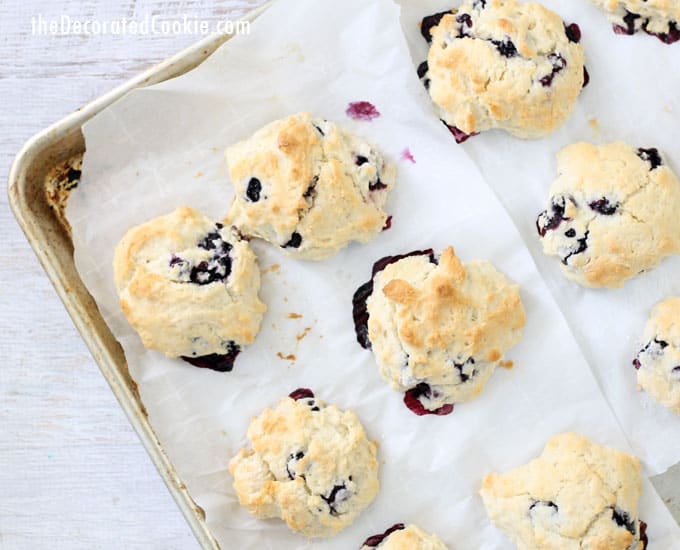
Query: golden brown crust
[[634, 230], [310, 465], [529, 92], [447, 325], [576, 494], [152, 268], [310, 184]]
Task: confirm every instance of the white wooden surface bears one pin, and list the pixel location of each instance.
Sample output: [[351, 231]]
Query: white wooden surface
[[73, 474]]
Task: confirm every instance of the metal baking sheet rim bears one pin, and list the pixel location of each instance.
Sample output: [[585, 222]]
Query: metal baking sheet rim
[[54, 250]]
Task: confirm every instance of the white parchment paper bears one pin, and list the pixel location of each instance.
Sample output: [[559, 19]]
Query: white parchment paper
[[162, 147], [634, 96]]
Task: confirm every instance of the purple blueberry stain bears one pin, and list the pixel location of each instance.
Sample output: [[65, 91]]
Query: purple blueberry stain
[[582, 247], [586, 77], [551, 220], [376, 540], [362, 110], [429, 22], [216, 361], [458, 134], [644, 539], [376, 185], [629, 20], [651, 156], [388, 223], [293, 459], [359, 307], [558, 65], [604, 207], [623, 519], [412, 400], [670, 37], [338, 494], [408, 156], [423, 69]]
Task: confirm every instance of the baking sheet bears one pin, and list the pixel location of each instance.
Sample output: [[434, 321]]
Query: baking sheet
[[161, 147], [632, 96]]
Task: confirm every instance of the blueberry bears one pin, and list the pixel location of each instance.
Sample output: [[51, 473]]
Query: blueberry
[[377, 185], [254, 190], [571, 233], [582, 247], [604, 207], [558, 64], [651, 156], [549, 221], [360, 160], [464, 21], [629, 20], [292, 459], [294, 242], [505, 47], [622, 519], [670, 37], [573, 32], [218, 267], [423, 68], [338, 494]]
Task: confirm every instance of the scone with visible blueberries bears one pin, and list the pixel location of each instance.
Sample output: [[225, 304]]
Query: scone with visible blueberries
[[502, 64], [189, 287], [658, 361], [575, 495], [309, 464], [404, 537], [660, 18], [612, 213], [437, 327], [309, 187]]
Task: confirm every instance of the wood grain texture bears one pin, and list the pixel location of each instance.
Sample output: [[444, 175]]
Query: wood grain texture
[[73, 474]]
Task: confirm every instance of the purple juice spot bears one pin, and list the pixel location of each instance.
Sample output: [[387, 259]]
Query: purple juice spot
[[573, 32], [413, 403], [407, 155], [637, 364], [215, 361], [644, 539], [458, 134], [301, 393], [429, 22], [586, 77], [359, 308], [604, 207], [629, 20], [388, 223], [362, 110], [670, 37], [623, 519], [376, 540]]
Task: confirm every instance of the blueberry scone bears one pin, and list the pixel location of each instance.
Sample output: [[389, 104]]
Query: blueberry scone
[[575, 495], [189, 287], [502, 64], [660, 18], [309, 187], [310, 464], [658, 361], [404, 537], [437, 327], [612, 213]]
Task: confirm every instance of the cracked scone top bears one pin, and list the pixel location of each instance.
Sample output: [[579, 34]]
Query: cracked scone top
[[658, 361], [438, 328], [575, 495], [660, 18], [504, 64], [306, 185], [310, 464], [189, 286], [613, 213], [404, 537]]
